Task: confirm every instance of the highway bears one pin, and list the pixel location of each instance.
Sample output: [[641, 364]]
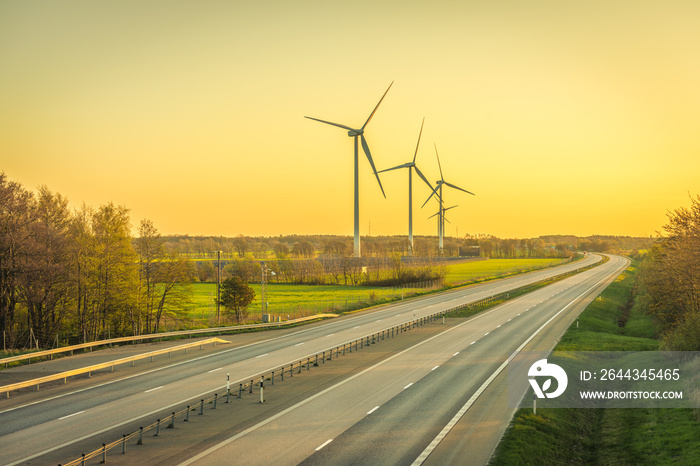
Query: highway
[[392, 412], [404, 416]]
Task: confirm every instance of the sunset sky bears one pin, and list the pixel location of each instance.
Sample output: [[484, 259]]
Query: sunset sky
[[563, 117]]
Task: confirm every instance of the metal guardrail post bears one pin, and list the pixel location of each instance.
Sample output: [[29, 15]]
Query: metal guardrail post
[[201, 407], [322, 354], [251, 386], [308, 361], [157, 428], [282, 374], [83, 461], [172, 422], [272, 378], [291, 370], [123, 444], [240, 389], [187, 416], [104, 453], [140, 442], [301, 363], [216, 397]]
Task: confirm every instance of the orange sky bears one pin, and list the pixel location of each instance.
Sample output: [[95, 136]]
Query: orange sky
[[563, 117]]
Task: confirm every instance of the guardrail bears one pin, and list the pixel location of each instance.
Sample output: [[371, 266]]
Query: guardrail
[[153, 336], [95, 367]]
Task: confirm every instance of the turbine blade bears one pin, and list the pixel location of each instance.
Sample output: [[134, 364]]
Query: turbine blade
[[375, 108], [457, 187], [405, 165], [331, 123], [365, 147], [422, 176], [419, 135], [439, 166], [448, 208], [445, 219], [436, 213], [431, 195]]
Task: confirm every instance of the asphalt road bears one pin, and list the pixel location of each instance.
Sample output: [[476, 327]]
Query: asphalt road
[[392, 412], [59, 417]]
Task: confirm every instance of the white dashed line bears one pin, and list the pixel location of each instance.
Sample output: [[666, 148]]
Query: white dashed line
[[324, 444], [70, 415], [153, 389], [408, 385], [373, 410]]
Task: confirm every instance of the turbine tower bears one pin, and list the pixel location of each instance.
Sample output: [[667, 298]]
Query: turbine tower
[[355, 133], [438, 190], [411, 166]]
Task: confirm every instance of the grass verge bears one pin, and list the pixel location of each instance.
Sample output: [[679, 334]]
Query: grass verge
[[613, 322]]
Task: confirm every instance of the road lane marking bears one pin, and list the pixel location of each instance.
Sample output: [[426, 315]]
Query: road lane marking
[[324, 444], [434, 368], [214, 370], [486, 333], [356, 326], [509, 320], [498, 326], [443, 433], [70, 415], [261, 355], [456, 353], [330, 335], [378, 320], [373, 410], [472, 343], [408, 385], [153, 389], [299, 344]]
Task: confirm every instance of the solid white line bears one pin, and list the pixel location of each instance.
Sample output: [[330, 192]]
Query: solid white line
[[373, 410], [408, 385], [324, 444], [154, 389], [214, 370], [70, 415], [429, 449], [261, 355]]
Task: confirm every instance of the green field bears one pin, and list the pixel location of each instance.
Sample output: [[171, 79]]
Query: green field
[[493, 268], [605, 436], [302, 300]]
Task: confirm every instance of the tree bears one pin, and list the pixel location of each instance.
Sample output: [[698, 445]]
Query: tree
[[240, 244], [16, 207], [672, 279], [236, 295], [45, 285]]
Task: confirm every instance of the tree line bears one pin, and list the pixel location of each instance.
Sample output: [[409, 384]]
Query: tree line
[[671, 279], [81, 273]]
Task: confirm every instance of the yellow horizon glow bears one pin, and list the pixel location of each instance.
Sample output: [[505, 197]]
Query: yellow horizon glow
[[562, 118]]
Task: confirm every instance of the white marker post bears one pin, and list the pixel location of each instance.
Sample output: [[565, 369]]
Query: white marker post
[[227, 386], [262, 380], [534, 404]]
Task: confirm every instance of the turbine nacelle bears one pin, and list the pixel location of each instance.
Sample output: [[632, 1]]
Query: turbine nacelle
[[355, 132]]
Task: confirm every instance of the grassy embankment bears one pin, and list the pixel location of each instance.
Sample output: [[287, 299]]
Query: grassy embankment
[[302, 300], [605, 436]]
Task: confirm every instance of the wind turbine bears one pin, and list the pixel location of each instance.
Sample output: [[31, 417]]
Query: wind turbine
[[355, 133], [411, 166], [438, 190]]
